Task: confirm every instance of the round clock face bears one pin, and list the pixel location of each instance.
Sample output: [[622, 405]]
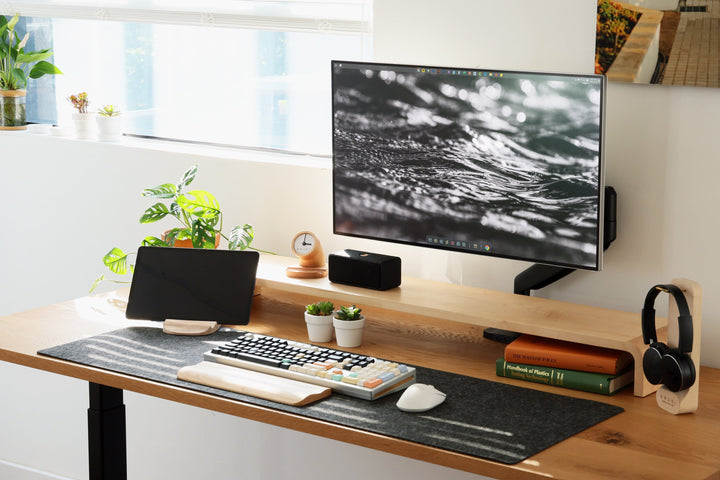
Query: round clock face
[[303, 244]]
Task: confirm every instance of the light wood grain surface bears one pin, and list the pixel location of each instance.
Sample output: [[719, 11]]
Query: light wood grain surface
[[642, 442], [481, 308]]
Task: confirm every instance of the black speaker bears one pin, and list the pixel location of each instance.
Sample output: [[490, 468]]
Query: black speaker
[[363, 269]]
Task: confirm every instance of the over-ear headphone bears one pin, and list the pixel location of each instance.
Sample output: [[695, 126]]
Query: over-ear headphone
[[672, 367]]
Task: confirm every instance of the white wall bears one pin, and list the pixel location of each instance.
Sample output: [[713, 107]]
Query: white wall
[[65, 203], [661, 152], [552, 35]]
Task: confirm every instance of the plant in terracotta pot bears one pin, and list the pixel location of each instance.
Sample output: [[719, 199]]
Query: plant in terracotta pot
[[82, 118], [16, 67], [200, 218], [349, 325], [318, 318], [109, 123]]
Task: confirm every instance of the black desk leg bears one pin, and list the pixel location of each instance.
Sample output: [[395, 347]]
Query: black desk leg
[[106, 433]]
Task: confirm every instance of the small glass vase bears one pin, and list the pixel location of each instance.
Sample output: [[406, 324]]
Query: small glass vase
[[12, 110]]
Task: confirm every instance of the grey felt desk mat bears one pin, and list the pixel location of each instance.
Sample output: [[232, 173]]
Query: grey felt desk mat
[[481, 418]]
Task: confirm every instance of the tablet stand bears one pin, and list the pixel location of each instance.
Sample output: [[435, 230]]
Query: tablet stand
[[174, 326]]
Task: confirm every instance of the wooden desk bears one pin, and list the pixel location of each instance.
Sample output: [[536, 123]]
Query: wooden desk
[[642, 442]]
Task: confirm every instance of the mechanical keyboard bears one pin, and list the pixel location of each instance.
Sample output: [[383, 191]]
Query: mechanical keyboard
[[344, 372]]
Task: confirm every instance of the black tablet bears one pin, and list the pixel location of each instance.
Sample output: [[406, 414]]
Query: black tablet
[[193, 284]]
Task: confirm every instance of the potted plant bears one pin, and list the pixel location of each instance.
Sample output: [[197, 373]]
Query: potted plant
[[109, 123], [83, 120], [349, 325], [318, 318], [200, 218], [16, 67]]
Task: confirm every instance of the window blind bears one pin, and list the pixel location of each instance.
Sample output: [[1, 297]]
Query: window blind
[[332, 16]]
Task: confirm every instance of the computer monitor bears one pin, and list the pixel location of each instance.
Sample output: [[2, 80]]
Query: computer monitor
[[491, 162]]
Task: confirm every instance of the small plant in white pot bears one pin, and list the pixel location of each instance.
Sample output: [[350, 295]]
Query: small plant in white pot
[[83, 120], [109, 123], [318, 318], [349, 325]]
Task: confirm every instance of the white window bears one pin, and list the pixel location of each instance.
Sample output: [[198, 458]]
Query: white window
[[244, 73]]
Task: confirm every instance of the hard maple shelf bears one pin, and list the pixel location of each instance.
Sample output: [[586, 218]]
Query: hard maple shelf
[[476, 306]]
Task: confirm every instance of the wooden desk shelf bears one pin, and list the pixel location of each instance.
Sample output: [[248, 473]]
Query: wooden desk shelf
[[475, 306]]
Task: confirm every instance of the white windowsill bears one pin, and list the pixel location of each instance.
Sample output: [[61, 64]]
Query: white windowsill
[[208, 151]]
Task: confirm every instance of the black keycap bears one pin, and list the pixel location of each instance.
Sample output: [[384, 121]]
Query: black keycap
[[258, 359]]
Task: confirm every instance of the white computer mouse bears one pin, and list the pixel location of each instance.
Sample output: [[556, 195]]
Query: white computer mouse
[[419, 397]]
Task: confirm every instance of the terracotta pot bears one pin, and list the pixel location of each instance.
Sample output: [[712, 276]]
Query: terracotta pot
[[12, 110], [187, 243]]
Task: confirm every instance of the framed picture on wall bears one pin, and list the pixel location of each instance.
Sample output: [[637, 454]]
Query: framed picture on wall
[[665, 42]]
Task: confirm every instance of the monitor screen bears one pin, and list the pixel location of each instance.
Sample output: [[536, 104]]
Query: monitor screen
[[501, 163]]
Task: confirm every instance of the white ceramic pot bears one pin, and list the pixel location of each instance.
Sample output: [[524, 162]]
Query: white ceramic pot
[[109, 128], [348, 333], [84, 125], [319, 327]]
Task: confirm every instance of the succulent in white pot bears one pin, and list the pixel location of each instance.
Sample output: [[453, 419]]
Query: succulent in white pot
[[82, 119], [349, 325], [319, 321], [109, 123]]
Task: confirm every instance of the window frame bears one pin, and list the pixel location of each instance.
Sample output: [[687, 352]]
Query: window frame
[[254, 14], [298, 16]]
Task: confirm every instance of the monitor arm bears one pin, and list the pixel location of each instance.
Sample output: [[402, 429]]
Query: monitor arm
[[538, 276]]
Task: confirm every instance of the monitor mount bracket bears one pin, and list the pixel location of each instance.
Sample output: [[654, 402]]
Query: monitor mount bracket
[[539, 275]]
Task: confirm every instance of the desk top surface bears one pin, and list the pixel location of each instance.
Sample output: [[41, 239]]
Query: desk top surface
[[642, 442]]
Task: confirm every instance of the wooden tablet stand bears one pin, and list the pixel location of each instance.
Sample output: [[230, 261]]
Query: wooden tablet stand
[[174, 326]]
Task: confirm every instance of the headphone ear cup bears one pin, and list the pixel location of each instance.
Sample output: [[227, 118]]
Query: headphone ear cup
[[679, 371], [652, 362]]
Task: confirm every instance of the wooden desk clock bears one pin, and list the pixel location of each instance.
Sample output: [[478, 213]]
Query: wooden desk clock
[[312, 259]]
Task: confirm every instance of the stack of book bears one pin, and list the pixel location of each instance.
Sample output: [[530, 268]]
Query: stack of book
[[566, 364]]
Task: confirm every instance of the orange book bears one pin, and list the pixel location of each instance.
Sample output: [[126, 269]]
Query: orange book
[[549, 352]]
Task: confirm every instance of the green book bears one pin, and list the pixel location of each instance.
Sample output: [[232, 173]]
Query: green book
[[587, 381]]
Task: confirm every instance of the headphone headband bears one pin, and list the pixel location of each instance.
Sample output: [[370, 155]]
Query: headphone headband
[[685, 327]]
